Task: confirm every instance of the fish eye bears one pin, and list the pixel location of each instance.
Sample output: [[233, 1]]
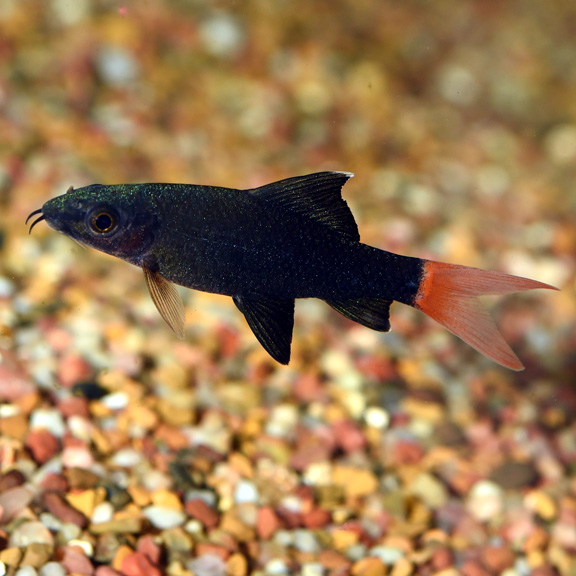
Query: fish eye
[[103, 221]]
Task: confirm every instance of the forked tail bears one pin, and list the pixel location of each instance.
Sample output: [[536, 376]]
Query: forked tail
[[448, 293]]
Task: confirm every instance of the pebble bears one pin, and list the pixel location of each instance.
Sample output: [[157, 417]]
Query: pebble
[[42, 445], [76, 562], [137, 564], [126, 458], [276, 567], [356, 481], [29, 532], [164, 518], [245, 491], [542, 504], [60, 508], [485, 500], [13, 501], [52, 569], [514, 475], [26, 571], [387, 554], [306, 541], [201, 511], [430, 490], [103, 512], [37, 555], [49, 419], [207, 565]]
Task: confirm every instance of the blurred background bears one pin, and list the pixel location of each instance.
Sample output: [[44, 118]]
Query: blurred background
[[459, 121]]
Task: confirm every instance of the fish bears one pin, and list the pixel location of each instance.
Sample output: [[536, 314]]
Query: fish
[[268, 246]]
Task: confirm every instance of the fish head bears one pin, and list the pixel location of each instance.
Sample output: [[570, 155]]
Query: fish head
[[117, 220]]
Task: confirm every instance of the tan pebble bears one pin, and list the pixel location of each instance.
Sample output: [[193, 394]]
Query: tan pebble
[[343, 539], [235, 527], [166, 499], [241, 464], [332, 560], [143, 416], [448, 572], [435, 535], [237, 565], [83, 501], [37, 554], [542, 504], [15, 426], [139, 495], [175, 415], [177, 540], [11, 556], [537, 539], [171, 375], [121, 553], [356, 481], [402, 567], [430, 411], [564, 561], [101, 441], [535, 558], [99, 410], [80, 478], [128, 525], [28, 402], [368, 567]]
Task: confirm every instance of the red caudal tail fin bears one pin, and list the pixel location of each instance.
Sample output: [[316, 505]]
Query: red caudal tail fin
[[448, 293]]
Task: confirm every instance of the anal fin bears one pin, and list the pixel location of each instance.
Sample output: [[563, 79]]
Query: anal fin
[[166, 298], [272, 321], [373, 313]]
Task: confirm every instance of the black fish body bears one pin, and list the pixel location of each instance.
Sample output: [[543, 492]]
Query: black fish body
[[266, 247]]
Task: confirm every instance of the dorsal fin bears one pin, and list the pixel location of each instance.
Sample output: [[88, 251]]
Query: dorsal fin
[[317, 196]]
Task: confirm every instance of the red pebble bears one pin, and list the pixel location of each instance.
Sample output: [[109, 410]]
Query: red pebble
[[406, 452], [137, 564], [442, 558], [148, 547], [42, 445], [498, 558], [202, 512], [348, 436], [203, 548], [75, 562], [54, 483], [106, 571], [472, 568], [267, 523], [73, 369], [58, 506], [74, 406], [317, 518]]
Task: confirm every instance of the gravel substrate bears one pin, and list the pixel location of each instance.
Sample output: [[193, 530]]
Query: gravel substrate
[[124, 451]]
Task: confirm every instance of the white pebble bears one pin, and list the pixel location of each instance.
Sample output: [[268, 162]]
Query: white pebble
[[6, 287], [80, 428], [2, 569], [245, 491], [29, 533], [276, 566], [387, 554], [115, 401], [164, 518], [126, 458], [312, 569], [26, 571], [49, 419], [77, 457], [117, 66], [52, 569], [305, 541], [104, 512], [222, 35], [376, 417], [207, 565], [485, 500]]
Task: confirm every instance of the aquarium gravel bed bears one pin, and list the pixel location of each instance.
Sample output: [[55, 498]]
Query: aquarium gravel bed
[[125, 451]]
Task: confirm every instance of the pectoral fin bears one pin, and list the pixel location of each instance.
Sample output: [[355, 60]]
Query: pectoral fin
[[371, 312], [166, 298], [272, 321]]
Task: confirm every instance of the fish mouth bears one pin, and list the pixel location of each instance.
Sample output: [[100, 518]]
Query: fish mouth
[[39, 219]]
